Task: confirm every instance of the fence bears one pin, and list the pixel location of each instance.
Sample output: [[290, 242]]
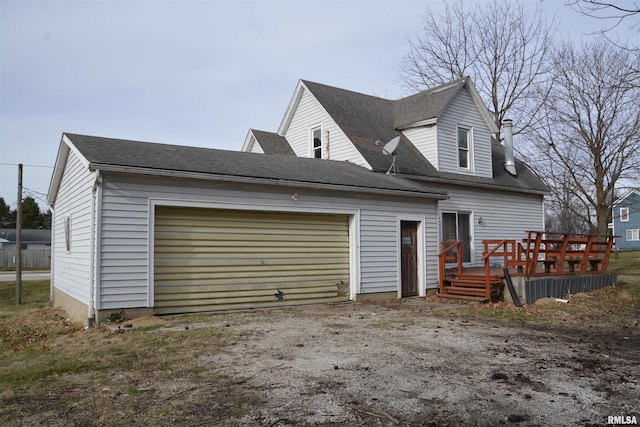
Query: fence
[[559, 287], [31, 259]]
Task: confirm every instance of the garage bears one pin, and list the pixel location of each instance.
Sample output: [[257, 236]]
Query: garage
[[217, 259]]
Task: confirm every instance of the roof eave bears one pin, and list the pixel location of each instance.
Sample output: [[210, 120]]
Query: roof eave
[[427, 122], [433, 195], [484, 111], [451, 181], [248, 142], [291, 108], [66, 146]]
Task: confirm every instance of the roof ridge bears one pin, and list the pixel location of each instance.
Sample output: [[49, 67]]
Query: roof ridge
[[306, 82], [436, 89]]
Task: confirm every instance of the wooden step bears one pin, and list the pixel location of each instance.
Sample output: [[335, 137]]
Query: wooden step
[[464, 297], [468, 283], [492, 278], [460, 290]]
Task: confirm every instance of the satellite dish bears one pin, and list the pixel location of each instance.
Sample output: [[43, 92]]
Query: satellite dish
[[391, 146]]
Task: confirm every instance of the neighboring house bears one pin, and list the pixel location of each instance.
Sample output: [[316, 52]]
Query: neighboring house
[[152, 228], [31, 239], [626, 221]]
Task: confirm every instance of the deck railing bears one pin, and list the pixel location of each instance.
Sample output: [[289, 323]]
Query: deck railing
[[450, 251], [561, 253], [539, 254]]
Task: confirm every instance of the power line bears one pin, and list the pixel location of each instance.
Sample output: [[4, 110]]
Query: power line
[[31, 166]]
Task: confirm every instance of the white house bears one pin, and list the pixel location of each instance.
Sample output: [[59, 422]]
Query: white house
[[152, 228]]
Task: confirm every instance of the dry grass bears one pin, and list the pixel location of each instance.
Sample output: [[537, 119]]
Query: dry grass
[[54, 372]]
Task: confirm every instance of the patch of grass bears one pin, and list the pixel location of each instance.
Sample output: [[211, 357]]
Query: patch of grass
[[35, 294], [625, 261], [604, 307], [26, 375]]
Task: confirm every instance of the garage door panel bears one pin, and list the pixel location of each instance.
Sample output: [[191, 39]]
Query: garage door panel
[[207, 297], [203, 252], [247, 271], [207, 262], [312, 277], [219, 259]]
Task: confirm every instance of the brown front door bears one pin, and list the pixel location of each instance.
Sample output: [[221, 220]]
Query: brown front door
[[409, 258]]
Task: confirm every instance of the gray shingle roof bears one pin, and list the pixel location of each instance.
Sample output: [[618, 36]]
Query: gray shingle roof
[[365, 119], [28, 235], [428, 104], [272, 143], [119, 154]]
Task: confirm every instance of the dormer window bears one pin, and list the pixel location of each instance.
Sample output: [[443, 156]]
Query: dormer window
[[624, 214], [316, 142], [464, 148]]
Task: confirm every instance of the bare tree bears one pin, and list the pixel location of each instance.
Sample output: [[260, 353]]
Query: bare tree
[[590, 142], [502, 46], [614, 12]]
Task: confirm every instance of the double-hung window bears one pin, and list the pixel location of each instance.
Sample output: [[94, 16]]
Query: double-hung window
[[316, 142], [624, 214], [633, 234], [464, 148]]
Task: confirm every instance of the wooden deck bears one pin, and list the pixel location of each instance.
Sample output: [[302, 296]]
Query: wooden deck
[[539, 254]]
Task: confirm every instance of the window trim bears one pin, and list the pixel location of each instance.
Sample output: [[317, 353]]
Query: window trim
[[469, 149], [624, 214], [312, 147], [630, 234]]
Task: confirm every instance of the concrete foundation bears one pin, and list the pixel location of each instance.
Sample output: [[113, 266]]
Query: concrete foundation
[[376, 296], [76, 310]]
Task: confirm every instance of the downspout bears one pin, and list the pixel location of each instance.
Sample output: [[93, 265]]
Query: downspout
[[509, 161], [92, 260]]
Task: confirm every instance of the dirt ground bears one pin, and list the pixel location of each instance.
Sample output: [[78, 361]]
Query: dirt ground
[[410, 363]]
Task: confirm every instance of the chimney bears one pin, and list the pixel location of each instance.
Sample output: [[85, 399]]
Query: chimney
[[509, 162]]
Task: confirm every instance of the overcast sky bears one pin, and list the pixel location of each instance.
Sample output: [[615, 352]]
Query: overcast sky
[[195, 73]]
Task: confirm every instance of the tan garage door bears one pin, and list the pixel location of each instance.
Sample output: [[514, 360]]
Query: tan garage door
[[211, 259]]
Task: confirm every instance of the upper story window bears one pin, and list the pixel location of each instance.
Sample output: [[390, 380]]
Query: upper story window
[[316, 142], [624, 214], [464, 148]]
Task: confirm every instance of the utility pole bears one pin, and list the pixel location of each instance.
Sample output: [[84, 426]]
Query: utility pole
[[19, 239]]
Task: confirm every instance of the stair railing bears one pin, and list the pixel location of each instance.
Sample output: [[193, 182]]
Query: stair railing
[[450, 251]]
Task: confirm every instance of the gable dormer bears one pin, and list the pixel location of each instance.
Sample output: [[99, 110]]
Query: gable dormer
[[314, 132], [259, 141], [450, 126]]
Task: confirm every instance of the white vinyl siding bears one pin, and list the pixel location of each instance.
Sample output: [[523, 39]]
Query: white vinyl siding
[[309, 111], [505, 215], [463, 114], [425, 140], [256, 148], [73, 207], [125, 228]]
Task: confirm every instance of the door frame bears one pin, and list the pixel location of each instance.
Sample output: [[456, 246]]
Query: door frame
[[421, 261], [353, 223]]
